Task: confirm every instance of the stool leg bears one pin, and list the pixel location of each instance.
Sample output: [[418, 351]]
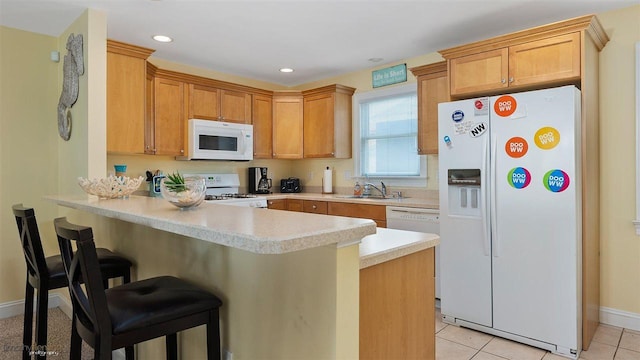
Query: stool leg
[[172, 346], [42, 305], [126, 278], [76, 341], [128, 353], [27, 336], [213, 336]]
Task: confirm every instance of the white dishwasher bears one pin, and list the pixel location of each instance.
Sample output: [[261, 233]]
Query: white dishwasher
[[417, 219]]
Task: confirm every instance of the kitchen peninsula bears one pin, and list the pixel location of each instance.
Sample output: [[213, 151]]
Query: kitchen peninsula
[[289, 281]]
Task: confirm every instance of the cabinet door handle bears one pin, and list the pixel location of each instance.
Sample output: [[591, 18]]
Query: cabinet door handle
[[181, 151], [314, 207], [504, 81], [511, 79]]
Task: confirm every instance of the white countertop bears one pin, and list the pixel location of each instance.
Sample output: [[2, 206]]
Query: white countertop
[[389, 244], [416, 202], [256, 230]]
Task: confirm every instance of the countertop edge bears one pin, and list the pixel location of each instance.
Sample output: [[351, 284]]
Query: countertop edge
[[238, 240], [390, 244]]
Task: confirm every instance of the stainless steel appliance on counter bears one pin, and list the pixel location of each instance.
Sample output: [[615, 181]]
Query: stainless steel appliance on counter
[[259, 183], [223, 189]]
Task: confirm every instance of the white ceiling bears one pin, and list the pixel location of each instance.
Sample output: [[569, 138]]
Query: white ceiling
[[318, 38]]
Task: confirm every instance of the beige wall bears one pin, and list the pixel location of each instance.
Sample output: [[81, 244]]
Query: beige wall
[[620, 246], [35, 162], [28, 145]]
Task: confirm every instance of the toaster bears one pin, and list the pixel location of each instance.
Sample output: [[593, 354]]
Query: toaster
[[290, 185]]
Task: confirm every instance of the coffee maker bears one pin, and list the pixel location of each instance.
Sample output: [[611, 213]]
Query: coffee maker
[[258, 181]]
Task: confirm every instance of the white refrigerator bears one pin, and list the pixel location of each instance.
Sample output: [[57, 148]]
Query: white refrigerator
[[510, 216]]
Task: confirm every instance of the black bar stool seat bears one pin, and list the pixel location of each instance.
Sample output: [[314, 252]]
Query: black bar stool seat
[[111, 264], [47, 273], [155, 301], [130, 313]]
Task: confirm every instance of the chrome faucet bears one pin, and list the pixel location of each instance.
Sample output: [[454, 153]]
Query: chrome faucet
[[367, 189]]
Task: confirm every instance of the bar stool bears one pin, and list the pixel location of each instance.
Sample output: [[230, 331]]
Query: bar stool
[[131, 313], [47, 273]]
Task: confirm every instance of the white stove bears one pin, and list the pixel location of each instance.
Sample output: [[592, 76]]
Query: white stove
[[223, 189]]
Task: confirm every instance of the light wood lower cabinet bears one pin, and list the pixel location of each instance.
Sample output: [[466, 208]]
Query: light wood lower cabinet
[[313, 206], [397, 299], [377, 213], [277, 204], [295, 205]]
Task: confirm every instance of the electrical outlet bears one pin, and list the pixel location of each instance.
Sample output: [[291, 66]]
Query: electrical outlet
[[347, 175], [310, 176], [228, 355]]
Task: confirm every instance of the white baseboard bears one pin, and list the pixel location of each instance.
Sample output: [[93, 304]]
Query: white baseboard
[[624, 319], [14, 308]]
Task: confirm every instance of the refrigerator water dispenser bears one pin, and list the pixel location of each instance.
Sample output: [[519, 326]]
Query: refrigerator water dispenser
[[464, 192]]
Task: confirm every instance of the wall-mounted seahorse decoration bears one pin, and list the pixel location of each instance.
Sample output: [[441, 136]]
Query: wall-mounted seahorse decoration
[[72, 69]]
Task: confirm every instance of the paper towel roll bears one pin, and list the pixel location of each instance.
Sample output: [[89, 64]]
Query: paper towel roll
[[327, 181]]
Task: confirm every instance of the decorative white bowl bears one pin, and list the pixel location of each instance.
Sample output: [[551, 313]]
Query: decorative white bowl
[[110, 187], [190, 195]]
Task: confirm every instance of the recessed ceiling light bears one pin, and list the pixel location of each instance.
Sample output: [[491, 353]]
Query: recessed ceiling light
[[162, 38], [286, 70], [375, 60]]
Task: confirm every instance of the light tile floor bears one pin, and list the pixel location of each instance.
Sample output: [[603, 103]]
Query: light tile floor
[[456, 343]]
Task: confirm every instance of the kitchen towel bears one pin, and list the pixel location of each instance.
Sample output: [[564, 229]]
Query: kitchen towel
[[327, 181]]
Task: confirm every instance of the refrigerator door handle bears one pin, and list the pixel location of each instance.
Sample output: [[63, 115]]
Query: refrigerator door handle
[[494, 217], [483, 198]]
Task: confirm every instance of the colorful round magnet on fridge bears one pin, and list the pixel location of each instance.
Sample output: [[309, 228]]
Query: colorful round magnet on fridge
[[505, 106], [556, 180], [516, 147], [547, 138], [519, 177]]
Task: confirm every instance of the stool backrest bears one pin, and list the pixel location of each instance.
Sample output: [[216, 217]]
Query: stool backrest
[[91, 307], [31, 243]]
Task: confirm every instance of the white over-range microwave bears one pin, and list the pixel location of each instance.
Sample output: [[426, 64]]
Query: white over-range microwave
[[216, 140]]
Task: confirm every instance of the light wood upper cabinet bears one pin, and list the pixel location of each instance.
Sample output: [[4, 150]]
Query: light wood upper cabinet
[[149, 121], [262, 127], [287, 125], [327, 122], [126, 97], [545, 61], [480, 72], [544, 56], [204, 102], [170, 122], [235, 106], [432, 90], [211, 103], [541, 62]]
